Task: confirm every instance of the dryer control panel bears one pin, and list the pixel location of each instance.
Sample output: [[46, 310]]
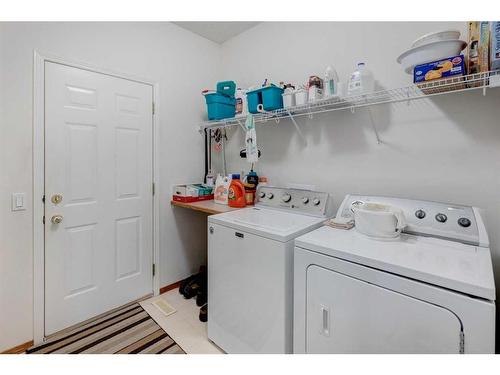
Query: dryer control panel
[[442, 220], [301, 201]]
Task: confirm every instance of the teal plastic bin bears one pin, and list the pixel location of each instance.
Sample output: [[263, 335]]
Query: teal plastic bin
[[220, 106], [270, 97]]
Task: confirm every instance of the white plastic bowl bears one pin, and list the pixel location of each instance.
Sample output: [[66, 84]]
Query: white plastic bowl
[[430, 52], [436, 37]]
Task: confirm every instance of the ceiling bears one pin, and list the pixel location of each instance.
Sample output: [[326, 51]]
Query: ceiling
[[218, 32]]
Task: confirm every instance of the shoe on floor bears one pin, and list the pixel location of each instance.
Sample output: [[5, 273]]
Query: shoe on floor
[[186, 282], [204, 313], [201, 298]]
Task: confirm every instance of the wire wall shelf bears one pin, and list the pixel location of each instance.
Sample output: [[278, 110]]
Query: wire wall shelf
[[403, 94]]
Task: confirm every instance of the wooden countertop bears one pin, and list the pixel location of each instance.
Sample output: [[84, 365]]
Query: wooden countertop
[[209, 207]]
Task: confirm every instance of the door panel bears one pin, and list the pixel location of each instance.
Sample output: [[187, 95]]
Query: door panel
[[81, 154], [347, 315], [98, 157]]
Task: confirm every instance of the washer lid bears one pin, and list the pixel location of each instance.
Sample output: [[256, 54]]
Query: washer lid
[[270, 223], [464, 268]]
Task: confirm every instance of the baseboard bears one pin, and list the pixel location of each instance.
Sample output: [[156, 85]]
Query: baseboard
[[170, 287], [19, 349]]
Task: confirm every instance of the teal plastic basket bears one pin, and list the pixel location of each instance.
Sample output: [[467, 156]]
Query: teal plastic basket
[[220, 106], [270, 97]]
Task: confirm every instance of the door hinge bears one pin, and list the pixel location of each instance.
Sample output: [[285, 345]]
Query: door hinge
[[153, 106], [43, 219], [154, 188], [43, 198], [154, 269], [462, 342]]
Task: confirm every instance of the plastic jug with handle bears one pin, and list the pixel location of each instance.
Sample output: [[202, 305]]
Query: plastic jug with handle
[[236, 193]]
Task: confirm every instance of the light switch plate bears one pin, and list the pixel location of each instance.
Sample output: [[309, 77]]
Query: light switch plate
[[18, 201]]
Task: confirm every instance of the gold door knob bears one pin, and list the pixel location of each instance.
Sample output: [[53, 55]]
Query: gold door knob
[[56, 198], [56, 219]]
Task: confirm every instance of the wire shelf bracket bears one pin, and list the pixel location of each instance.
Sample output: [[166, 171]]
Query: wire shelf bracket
[[297, 127], [370, 114]]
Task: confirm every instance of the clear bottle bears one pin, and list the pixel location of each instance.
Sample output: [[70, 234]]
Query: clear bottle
[[330, 88], [361, 81], [241, 102]]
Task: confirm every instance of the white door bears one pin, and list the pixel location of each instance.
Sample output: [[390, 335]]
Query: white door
[[347, 315], [98, 159]]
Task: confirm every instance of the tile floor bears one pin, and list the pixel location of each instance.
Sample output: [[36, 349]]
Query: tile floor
[[183, 325]]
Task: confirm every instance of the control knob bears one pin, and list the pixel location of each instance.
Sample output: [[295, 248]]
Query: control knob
[[305, 200], [262, 194], [316, 201], [464, 222], [270, 195], [286, 198], [420, 214], [441, 218]]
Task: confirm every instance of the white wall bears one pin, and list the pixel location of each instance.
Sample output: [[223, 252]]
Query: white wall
[[180, 61], [445, 149]]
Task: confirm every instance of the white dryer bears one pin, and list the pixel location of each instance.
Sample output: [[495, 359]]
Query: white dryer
[[250, 269], [431, 290]]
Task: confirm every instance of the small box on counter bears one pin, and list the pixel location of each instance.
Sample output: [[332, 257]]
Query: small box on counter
[[192, 193]]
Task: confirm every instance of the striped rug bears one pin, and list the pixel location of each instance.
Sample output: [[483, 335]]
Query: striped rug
[[129, 330]]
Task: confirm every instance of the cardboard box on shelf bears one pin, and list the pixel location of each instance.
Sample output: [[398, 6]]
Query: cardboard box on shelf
[[495, 46], [478, 56], [450, 67], [428, 76]]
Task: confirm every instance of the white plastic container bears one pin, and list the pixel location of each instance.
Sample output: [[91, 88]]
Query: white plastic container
[[361, 81], [330, 88], [288, 98], [301, 96], [430, 52], [315, 93], [436, 37]]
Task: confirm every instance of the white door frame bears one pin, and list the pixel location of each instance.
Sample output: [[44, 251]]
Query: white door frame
[[39, 60]]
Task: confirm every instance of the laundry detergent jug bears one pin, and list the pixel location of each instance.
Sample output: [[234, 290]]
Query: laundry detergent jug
[[236, 194]]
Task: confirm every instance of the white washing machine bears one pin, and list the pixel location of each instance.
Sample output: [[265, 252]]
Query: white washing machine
[[250, 269], [429, 291]]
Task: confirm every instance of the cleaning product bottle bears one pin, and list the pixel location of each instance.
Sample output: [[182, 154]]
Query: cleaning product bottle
[[252, 178], [361, 81], [236, 194], [241, 102], [330, 83], [250, 183]]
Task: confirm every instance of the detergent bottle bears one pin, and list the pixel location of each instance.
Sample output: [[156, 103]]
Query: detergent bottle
[[236, 194]]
